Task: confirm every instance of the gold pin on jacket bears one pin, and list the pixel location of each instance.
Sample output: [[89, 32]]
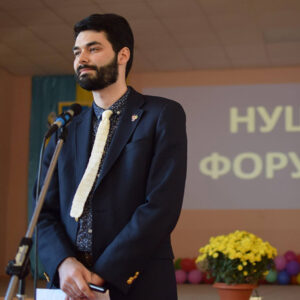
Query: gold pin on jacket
[[46, 276], [134, 117], [131, 279]]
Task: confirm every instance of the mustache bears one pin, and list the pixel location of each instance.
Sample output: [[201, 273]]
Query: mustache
[[86, 67]]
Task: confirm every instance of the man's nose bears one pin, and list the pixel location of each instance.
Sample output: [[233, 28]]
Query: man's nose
[[83, 57]]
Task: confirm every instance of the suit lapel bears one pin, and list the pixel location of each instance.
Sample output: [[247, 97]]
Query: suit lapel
[[127, 124]]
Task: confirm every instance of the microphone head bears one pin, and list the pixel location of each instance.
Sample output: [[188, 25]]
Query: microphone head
[[76, 108]]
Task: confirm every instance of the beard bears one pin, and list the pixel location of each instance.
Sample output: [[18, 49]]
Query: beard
[[105, 76]]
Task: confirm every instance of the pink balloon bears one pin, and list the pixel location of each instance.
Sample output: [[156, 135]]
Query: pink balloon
[[280, 262], [181, 276], [195, 276], [290, 255]]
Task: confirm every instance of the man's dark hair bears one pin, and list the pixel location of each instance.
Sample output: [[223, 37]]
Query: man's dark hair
[[116, 28]]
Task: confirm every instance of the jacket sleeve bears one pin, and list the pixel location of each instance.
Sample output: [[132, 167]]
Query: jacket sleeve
[[53, 244], [154, 220]]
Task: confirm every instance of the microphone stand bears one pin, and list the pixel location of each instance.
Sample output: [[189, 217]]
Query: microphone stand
[[18, 268]]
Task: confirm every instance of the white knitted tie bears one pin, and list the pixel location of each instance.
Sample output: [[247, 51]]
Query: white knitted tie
[[91, 171]]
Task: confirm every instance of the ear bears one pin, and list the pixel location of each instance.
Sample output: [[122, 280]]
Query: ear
[[123, 56]]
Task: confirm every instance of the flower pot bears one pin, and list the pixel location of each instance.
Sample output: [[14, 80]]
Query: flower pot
[[234, 291]]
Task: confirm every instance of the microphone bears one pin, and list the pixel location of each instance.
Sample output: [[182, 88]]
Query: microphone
[[64, 119]]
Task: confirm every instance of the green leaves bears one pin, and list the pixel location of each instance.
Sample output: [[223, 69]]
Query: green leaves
[[226, 270]]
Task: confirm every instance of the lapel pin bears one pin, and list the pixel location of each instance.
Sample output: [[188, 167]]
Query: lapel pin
[[134, 117]]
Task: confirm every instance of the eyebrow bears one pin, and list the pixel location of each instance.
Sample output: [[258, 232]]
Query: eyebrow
[[87, 45]]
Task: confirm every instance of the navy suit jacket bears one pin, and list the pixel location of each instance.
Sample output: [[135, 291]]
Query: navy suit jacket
[[137, 199]]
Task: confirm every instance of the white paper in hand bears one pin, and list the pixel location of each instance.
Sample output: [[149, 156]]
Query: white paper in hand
[[52, 294]]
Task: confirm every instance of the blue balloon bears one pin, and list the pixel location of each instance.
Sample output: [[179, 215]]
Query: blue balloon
[[283, 278]]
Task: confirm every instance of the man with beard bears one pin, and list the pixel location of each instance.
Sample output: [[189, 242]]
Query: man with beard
[[117, 191]]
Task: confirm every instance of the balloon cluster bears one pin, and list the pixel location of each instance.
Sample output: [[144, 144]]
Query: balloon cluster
[[186, 272], [287, 269]]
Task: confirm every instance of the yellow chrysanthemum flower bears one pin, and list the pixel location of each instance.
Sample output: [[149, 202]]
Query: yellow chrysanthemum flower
[[235, 251]]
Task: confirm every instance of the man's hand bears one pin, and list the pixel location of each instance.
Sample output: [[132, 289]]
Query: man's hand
[[74, 278]]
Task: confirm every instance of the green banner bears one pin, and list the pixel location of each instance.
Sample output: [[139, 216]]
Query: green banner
[[47, 92]]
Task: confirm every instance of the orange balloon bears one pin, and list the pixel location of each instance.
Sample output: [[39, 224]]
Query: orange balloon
[[294, 280]]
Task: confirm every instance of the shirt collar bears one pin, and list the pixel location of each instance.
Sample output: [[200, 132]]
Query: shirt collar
[[117, 107]]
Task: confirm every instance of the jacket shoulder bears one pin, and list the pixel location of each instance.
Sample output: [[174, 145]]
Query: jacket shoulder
[[158, 102]]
